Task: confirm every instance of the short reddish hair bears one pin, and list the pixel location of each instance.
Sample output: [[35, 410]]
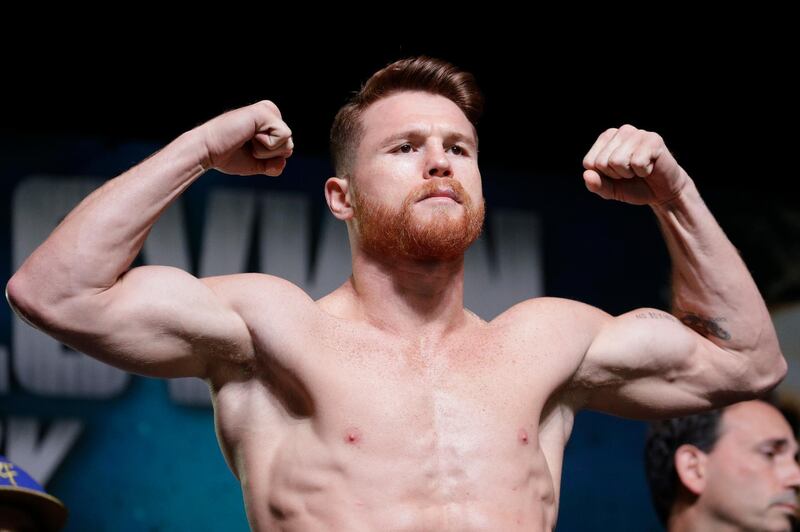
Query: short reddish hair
[[422, 73]]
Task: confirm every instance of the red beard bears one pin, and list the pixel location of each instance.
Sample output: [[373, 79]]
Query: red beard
[[448, 233]]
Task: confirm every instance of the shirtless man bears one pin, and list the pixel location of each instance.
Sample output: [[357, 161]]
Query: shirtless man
[[386, 405]]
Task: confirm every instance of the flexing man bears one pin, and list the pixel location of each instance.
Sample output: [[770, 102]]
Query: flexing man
[[386, 405]]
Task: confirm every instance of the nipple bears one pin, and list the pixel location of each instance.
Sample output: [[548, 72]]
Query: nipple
[[352, 435]]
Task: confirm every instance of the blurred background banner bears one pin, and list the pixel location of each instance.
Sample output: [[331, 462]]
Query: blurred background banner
[[131, 453]]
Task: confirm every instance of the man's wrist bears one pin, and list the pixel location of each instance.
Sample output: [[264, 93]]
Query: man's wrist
[[686, 193], [194, 143]]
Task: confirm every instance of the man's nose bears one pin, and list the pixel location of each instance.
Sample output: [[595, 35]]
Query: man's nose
[[437, 163], [792, 478]]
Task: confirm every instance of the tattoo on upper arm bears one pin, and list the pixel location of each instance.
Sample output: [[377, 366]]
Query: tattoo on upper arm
[[655, 316], [700, 324], [706, 326]]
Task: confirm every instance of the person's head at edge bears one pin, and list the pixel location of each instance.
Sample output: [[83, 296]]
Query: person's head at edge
[[727, 469], [14, 518], [24, 504], [410, 132]]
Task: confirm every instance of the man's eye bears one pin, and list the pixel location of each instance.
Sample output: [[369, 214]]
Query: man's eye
[[459, 149], [403, 147]]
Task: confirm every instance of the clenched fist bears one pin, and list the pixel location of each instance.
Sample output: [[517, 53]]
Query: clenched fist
[[247, 141], [634, 166]]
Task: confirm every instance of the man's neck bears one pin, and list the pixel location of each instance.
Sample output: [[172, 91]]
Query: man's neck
[[408, 297]]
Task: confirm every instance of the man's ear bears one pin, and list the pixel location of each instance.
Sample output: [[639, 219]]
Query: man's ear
[[691, 465], [338, 196]]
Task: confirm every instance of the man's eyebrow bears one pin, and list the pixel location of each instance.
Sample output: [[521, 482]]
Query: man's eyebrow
[[781, 443], [417, 133]]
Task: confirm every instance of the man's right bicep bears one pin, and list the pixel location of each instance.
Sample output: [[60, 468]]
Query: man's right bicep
[[157, 321]]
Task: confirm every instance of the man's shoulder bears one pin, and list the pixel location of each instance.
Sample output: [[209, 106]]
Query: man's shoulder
[[567, 325], [259, 291], [553, 310], [555, 333]]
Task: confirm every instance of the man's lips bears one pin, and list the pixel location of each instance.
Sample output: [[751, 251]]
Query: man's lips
[[443, 193], [788, 506]]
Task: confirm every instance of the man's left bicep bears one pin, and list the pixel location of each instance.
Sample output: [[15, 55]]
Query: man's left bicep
[[646, 364]]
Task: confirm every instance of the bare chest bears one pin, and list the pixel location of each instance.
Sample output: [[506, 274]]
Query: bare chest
[[369, 391], [451, 426]]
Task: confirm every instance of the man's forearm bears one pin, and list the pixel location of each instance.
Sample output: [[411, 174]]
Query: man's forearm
[[99, 239], [712, 289]]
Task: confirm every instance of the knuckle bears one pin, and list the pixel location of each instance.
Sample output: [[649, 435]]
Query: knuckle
[[618, 161], [270, 106], [610, 132]]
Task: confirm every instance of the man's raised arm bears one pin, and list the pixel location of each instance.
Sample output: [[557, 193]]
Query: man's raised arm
[[719, 344], [153, 320]]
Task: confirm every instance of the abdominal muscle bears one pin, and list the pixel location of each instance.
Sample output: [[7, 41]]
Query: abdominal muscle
[[383, 478], [386, 443]]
